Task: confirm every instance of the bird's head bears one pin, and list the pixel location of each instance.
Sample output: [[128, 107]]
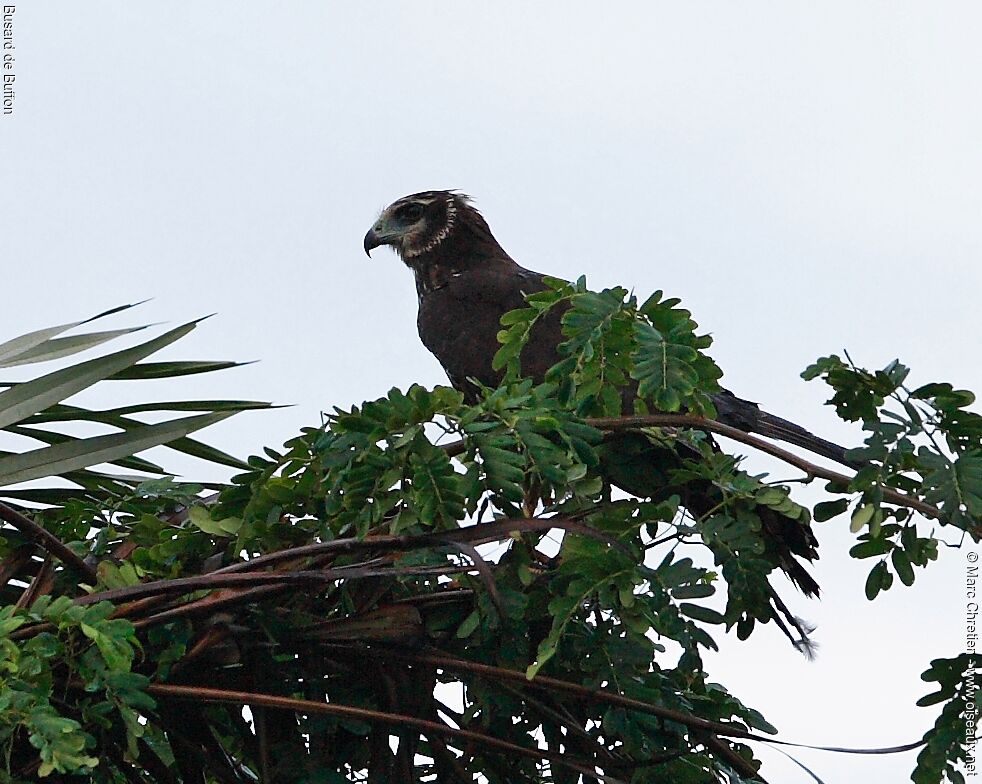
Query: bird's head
[[418, 224]]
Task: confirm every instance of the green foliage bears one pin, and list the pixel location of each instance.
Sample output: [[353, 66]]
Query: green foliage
[[519, 569], [669, 364], [611, 340], [66, 667], [922, 442], [925, 443], [40, 401], [101, 650], [952, 738]]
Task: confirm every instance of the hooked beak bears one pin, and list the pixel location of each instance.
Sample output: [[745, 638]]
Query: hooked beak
[[372, 240], [384, 232]]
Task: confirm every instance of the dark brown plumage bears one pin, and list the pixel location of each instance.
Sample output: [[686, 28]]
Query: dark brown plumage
[[465, 282]]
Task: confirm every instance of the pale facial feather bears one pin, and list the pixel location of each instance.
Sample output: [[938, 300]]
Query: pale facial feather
[[409, 247]]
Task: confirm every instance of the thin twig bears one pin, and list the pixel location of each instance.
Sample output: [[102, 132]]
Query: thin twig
[[744, 767], [601, 695], [576, 690], [485, 572], [40, 584], [47, 540]]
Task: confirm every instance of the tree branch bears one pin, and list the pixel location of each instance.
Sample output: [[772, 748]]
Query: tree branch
[[473, 534], [744, 767], [376, 717], [614, 424], [47, 540], [601, 695], [212, 581]]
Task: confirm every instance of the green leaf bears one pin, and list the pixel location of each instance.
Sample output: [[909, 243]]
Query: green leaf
[[876, 581], [28, 398], [871, 548], [62, 458], [861, 516], [946, 744], [701, 613], [902, 566], [186, 446], [695, 591], [146, 370], [826, 510], [66, 413], [469, 625], [64, 347], [7, 625], [200, 517], [49, 437], [115, 649], [60, 742], [17, 347], [546, 651]]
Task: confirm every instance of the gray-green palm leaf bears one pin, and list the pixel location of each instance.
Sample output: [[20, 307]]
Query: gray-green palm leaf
[[28, 408]]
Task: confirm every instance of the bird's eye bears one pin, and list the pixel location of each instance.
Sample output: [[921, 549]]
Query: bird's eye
[[412, 212]]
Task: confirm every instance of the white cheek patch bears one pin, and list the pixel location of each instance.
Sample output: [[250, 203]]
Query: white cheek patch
[[439, 237]]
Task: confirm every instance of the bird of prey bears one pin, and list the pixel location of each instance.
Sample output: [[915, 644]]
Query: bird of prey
[[466, 282]]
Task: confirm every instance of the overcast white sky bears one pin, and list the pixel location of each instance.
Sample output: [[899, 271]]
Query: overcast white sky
[[805, 177]]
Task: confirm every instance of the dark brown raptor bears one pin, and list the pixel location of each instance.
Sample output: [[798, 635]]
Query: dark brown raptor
[[466, 282]]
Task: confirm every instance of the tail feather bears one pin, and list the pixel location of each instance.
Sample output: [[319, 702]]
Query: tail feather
[[788, 542], [745, 415], [774, 427], [792, 541]]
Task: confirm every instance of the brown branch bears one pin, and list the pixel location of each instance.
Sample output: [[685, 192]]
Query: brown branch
[[614, 424], [273, 584], [364, 714], [211, 604], [207, 605], [15, 563], [601, 695], [577, 690], [481, 533], [485, 573], [140, 606], [208, 582], [744, 767], [214, 635], [266, 585], [40, 584], [47, 540]]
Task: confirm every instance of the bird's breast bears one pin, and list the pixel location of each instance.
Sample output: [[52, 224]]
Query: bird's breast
[[462, 336]]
